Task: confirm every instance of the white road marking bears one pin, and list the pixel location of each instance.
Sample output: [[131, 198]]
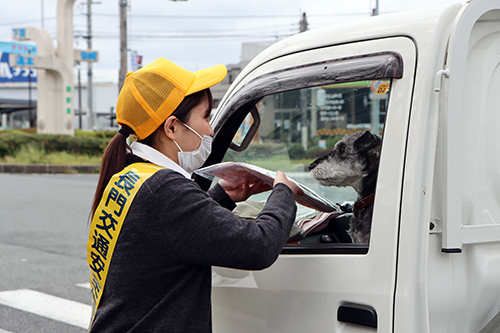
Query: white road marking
[[56, 308], [81, 285], [4, 331]]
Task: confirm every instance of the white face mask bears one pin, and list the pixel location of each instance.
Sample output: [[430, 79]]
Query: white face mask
[[192, 160]]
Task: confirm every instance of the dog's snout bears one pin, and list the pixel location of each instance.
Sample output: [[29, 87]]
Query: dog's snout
[[318, 161], [312, 165]]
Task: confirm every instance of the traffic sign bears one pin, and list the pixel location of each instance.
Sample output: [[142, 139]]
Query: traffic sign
[[22, 60], [19, 34], [87, 55]]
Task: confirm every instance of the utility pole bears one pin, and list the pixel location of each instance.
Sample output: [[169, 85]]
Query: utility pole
[[89, 65], [29, 96], [30, 111], [123, 44], [80, 111], [43, 18], [303, 23], [375, 10]]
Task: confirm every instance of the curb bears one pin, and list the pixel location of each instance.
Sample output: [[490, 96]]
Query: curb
[[47, 168]]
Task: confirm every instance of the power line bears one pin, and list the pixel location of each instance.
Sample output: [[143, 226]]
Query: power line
[[80, 33], [291, 26], [210, 17], [28, 21], [228, 17], [251, 29], [270, 35]]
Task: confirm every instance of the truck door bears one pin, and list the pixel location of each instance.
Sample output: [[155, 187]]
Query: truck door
[[282, 115], [464, 255]]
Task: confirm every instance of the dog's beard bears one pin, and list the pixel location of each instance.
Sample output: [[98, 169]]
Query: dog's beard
[[338, 174]]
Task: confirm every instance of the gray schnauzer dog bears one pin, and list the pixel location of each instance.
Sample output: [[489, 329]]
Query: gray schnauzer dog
[[353, 162]]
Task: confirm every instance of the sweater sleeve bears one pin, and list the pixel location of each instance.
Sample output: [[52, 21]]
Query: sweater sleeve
[[220, 196], [199, 230]]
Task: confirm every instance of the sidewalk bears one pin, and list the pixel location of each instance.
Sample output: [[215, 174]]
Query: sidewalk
[[47, 168]]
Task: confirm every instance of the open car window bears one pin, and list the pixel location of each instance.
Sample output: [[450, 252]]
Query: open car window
[[296, 128], [288, 118]]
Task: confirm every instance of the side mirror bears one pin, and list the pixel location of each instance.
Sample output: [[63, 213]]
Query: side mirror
[[250, 133]]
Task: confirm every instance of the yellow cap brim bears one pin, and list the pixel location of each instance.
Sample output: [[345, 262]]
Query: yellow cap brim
[[206, 78]]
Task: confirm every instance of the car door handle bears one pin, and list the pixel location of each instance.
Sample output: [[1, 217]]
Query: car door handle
[[358, 314]]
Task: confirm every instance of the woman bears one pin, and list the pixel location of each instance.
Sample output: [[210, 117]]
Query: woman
[[155, 234]]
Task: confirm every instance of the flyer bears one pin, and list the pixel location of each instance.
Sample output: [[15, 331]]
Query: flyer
[[235, 171]]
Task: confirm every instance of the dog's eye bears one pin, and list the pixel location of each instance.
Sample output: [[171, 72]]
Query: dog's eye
[[341, 149]]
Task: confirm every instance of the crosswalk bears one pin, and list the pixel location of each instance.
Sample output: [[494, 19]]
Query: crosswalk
[[48, 306]]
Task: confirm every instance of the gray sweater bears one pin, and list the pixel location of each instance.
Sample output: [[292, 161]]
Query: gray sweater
[[160, 273]]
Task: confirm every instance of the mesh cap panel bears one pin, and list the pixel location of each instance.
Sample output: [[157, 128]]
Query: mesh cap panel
[[152, 97], [138, 117], [153, 88]]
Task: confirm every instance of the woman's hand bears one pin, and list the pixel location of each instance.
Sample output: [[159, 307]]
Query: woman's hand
[[243, 189], [281, 178]]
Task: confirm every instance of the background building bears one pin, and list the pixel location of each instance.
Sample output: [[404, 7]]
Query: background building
[[18, 95]]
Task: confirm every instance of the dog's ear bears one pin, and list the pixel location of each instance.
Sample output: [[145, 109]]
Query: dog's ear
[[366, 142]]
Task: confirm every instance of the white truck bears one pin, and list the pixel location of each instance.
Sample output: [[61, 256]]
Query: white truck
[[428, 81]]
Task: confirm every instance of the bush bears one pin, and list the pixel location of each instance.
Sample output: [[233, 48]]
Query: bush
[[315, 151], [12, 141], [4, 149], [296, 151], [331, 141], [96, 134]]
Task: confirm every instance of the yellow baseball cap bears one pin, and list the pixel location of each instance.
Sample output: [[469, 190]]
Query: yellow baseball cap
[[151, 94]]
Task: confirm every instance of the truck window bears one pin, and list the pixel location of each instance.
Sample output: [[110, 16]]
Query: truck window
[[296, 128]]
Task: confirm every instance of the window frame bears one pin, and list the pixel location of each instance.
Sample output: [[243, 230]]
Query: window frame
[[371, 66]]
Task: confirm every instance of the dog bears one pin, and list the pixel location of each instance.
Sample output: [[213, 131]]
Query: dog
[[354, 161]]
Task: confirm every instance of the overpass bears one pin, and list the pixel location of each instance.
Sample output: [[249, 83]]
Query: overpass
[[9, 106]]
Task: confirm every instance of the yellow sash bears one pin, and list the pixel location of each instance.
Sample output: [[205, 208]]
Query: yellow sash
[[108, 220]]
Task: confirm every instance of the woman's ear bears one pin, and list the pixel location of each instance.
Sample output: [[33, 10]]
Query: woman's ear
[[170, 127]]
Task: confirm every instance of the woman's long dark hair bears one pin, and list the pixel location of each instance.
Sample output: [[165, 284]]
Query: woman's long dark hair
[[118, 154]]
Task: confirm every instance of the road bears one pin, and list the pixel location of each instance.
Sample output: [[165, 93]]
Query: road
[[43, 236]]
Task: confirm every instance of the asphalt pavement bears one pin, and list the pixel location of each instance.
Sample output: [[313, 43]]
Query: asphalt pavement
[[43, 235]]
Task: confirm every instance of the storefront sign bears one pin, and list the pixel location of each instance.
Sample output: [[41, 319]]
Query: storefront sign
[[11, 74]]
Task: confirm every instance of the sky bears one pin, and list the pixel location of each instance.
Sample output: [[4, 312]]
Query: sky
[[194, 34]]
